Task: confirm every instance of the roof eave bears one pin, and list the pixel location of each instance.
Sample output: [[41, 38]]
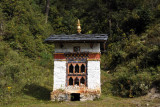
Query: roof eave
[[75, 41]]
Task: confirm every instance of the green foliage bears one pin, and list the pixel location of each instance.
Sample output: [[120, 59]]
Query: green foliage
[[136, 64], [46, 60], [106, 83], [132, 56], [127, 84], [17, 72], [24, 58], [138, 20]]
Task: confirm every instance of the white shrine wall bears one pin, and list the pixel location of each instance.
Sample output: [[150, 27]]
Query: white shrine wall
[[94, 75], [59, 75], [93, 67], [84, 47]]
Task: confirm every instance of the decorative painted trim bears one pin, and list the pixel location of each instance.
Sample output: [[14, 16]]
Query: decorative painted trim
[[77, 60], [59, 56], [60, 60], [93, 59], [94, 56], [89, 56]]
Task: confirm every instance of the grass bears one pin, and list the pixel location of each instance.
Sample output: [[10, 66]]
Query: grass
[[104, 101], [38, 95]]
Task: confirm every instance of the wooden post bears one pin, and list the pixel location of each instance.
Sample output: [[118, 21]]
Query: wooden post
[[85, 81], [73, 81], [67, 81], [79, 81], [104, 45], [80, 68], [73, 68]]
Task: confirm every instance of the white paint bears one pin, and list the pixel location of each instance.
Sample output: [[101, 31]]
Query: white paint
[[84, 47], [94, 75], [93, 70], [93, 67], [59, 75]]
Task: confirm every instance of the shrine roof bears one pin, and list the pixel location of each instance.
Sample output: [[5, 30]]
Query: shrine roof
[[77, 38]]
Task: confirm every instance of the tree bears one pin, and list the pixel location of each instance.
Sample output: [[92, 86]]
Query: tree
[[47, 10]]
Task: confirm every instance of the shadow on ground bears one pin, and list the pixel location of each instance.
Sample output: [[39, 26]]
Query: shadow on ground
[[39, 92]]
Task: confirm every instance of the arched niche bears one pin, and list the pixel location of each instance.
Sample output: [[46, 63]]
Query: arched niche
[[70, 81], [71, 68], [77, 68]]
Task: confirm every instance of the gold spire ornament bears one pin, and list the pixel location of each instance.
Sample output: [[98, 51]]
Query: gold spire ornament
[[78, 27]]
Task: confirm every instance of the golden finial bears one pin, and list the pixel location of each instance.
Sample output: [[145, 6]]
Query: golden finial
[[78, 27]]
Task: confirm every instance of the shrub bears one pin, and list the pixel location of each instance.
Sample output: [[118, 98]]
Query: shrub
[[127, 84], [17, 71], [106, 83]]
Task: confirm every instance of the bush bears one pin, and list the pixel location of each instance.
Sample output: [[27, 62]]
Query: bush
[[106, 83], [127, 84], [121, 84], [17, 71]]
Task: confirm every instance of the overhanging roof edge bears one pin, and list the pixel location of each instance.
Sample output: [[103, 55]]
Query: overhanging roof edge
[[79, 38]]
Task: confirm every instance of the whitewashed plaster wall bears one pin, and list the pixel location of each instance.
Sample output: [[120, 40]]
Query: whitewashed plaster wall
[[84, 47], [93, 67], [59, 75], [94, 75]]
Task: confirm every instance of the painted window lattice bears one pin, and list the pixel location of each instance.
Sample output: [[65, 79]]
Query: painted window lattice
[[76, 74], [76, 56]]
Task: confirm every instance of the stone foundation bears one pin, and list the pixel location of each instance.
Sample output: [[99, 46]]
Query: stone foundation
[[87, 96], [60, 95]]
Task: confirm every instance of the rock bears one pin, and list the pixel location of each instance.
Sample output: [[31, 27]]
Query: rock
[[153, 93]]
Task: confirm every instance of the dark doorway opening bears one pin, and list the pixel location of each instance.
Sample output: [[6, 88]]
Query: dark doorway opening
[[70, 81], [75, 97], [71, 68], [77, 81]]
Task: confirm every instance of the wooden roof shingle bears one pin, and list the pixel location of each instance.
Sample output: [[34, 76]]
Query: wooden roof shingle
[[77, 38]]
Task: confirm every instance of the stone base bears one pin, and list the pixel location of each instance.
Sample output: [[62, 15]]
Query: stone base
[[87, 96], [59, 95]]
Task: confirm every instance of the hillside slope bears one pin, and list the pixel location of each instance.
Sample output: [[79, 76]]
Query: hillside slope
[[132, 56]]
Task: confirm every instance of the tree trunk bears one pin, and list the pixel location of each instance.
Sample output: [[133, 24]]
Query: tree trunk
[[1, 28], [110, 27], [47, 10]]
